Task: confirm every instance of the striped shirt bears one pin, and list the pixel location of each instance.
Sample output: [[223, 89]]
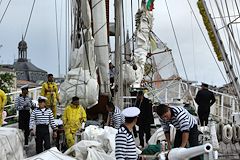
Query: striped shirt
[[23, 103], [181, 119], [42, 116], [125, 145], [117, 119]]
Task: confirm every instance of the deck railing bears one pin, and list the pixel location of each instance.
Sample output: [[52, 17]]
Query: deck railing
[[33, 93], [222, 110]]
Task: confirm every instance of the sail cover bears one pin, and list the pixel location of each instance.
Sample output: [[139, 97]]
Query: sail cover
[[11, 141], [81, 80]]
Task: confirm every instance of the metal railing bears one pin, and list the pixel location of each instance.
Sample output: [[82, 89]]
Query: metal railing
[[33, 93], [222, 110]]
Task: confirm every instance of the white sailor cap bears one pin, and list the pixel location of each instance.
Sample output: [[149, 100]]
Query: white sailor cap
[[131, 112], [42, 98], [25, 86]]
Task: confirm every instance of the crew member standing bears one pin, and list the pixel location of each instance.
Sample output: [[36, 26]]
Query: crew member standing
[[50, 91], [23, 103], [125, 143], [3, 101], [115, 117], [205, 99], [73, 117], [42, 117], [145, 118]]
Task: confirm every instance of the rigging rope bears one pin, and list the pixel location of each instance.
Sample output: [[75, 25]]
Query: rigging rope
[[66, 35], [29, 20], [193, 48], [236, 26], [5, 11], [234, 41], [231, 37], [124, 34], [184, 68], [206, 40], [132, 26], [58, 51]]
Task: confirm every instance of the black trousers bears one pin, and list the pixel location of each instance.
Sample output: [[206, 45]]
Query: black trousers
[[23, 123], [203, 117], [193, 139], [144, 128], [42, 134]]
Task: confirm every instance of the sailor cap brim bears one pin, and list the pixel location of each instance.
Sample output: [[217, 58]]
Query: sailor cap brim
[[42, 98], [24, 86], [131, 112]]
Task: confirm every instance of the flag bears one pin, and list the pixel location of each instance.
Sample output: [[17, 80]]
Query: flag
[[150, 5]]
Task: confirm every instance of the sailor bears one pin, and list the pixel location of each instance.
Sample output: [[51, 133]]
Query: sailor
[[23, 104], [3, 101], [115, 117], [74, 117], [125, 143], [112, 73], [50, 90], [183, 121], [205, 99], [42, 117], [145, 118]]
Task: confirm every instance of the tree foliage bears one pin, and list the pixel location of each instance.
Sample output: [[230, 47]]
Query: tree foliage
[[6, 81]]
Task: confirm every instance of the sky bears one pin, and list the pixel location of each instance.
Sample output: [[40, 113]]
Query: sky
[[42, 35]]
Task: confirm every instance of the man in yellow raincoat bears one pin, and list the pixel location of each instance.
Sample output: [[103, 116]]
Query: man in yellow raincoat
[[50, 91], [3, 101], [73, 117]]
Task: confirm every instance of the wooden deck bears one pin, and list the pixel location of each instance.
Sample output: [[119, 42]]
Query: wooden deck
[[229, 151], [226, 152]]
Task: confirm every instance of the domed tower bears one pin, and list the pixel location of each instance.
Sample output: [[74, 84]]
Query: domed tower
[[22, 51], [25, 70]]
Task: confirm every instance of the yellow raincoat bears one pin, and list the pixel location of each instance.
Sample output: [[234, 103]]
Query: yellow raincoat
[[72, 121], [3, 101], [50, 90]]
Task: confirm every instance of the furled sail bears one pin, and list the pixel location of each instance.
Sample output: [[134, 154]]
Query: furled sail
[[143, 27], [101, 43], [81, 80]]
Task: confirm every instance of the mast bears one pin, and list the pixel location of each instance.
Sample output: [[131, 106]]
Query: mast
[[118, 51], [228, 66]]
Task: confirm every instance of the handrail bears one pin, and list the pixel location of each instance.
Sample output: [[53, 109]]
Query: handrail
[[219, 110]]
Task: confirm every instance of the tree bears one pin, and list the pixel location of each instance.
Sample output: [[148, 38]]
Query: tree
[[6, 81]]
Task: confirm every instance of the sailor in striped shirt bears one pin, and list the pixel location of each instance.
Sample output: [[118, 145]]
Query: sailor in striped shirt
[[23, 103], [183, 121], [42, 117], [115, 117], [125, 143]]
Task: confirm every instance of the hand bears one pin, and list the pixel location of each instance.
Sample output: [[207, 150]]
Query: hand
[[169, 146], [32, 133], [54, 134]]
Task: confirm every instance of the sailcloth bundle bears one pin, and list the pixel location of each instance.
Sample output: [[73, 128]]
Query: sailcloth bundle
[[81, 80], [80, 83]]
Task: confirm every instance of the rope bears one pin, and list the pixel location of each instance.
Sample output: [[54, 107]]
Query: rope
[[179, 51], [124, 34], [132, 26], [206, 41], [58, 51], [5, 11], [29, 20], [66, 35]]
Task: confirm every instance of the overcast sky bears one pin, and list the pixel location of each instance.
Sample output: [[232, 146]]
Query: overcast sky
[[42, 40]]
